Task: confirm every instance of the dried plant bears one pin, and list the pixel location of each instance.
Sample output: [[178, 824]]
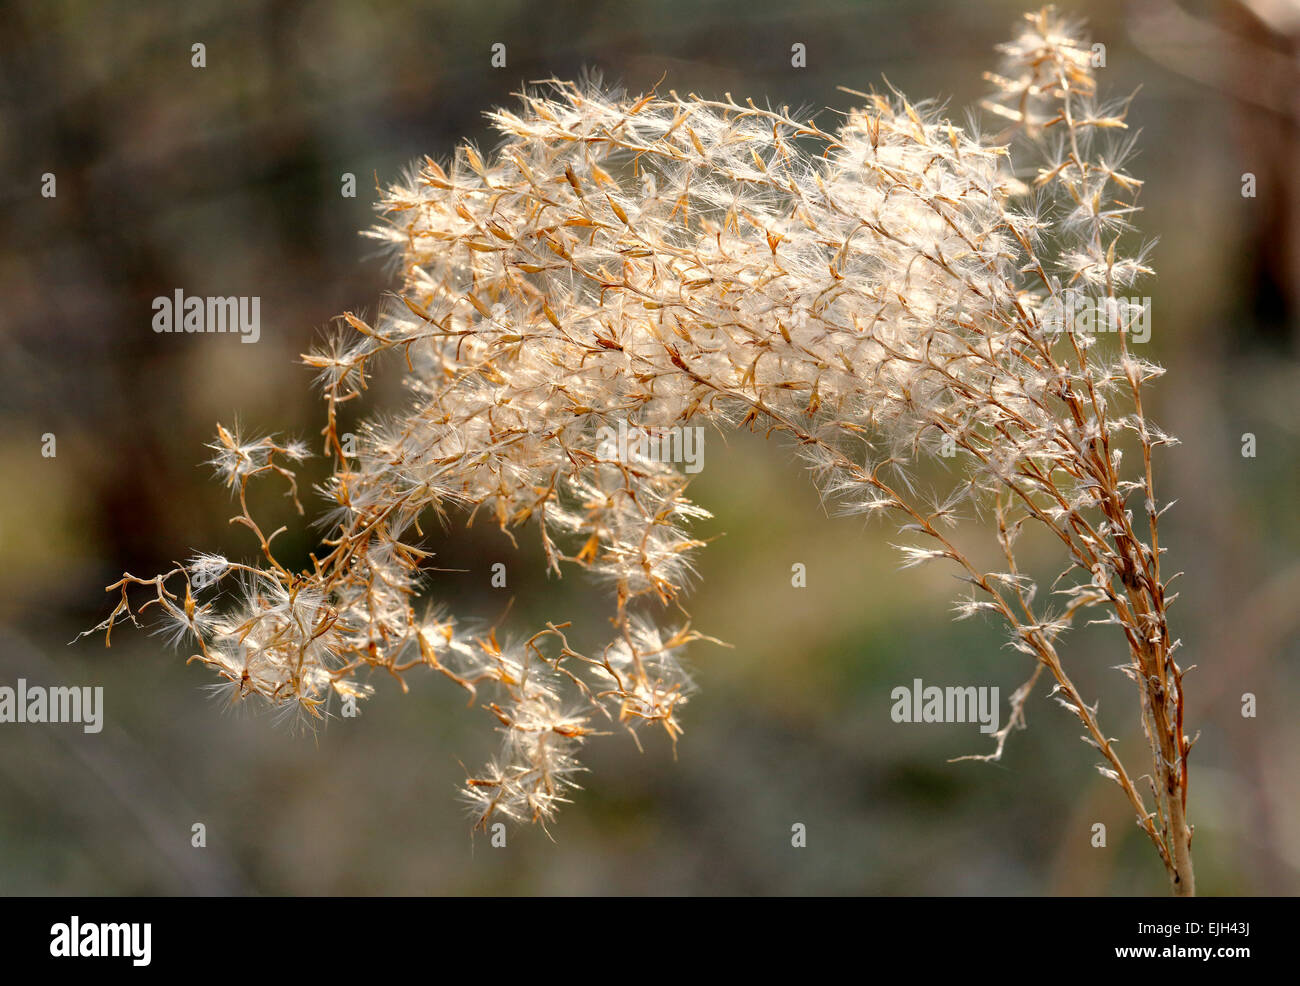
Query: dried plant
[[878, 294]]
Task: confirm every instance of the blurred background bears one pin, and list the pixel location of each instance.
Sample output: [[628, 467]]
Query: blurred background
[[226, 180]]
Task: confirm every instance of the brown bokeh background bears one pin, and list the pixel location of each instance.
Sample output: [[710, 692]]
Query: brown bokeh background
[[226, 180]]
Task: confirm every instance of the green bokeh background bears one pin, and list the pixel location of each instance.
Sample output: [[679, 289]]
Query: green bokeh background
[[226, 181]]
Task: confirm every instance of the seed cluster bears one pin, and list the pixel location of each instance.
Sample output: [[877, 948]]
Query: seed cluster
[[876, 293]]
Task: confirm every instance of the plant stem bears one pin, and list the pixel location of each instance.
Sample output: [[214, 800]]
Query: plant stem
[[1181, 877]]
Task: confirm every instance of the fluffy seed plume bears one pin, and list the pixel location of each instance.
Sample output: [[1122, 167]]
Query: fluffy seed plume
[[880, 292]]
